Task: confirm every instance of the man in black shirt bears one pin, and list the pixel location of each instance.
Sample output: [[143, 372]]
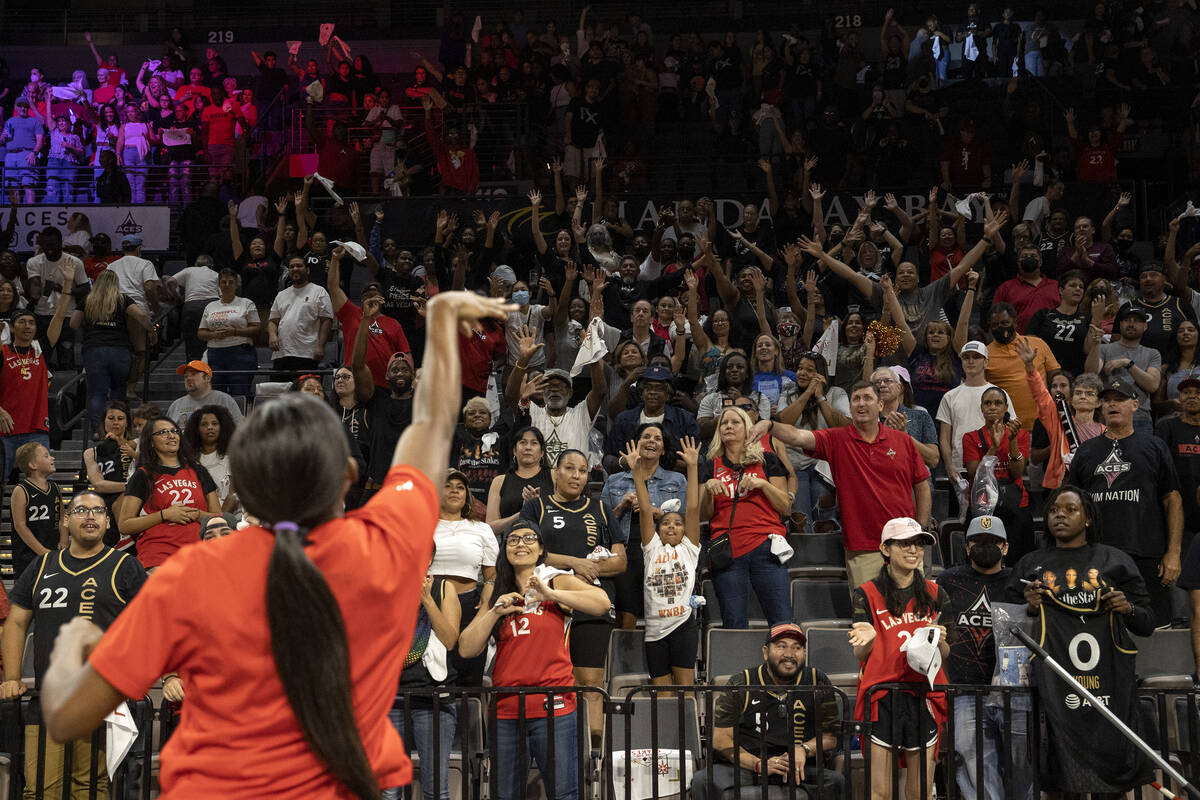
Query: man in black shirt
[[1164, 311], [389, 413], [971, 589], [1131, 477], [1182, 435], [773, 722], [90, 580]]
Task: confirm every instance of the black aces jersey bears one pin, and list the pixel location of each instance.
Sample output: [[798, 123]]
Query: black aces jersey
[[1085, 752], [43, 515], [58, 587], [576, 529]]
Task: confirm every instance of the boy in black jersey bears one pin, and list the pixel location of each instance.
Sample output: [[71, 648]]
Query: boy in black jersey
[[88, 579], [36, 506], [777, 730]]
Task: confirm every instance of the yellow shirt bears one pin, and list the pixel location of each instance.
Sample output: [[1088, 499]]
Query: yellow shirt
[[1006, 369]]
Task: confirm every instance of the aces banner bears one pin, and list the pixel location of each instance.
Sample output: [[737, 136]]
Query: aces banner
[[151, 223]]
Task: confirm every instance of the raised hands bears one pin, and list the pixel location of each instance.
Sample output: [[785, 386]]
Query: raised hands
[[527, 344], [689, 451], [581, 194], [815, 191], [532, 385], [810, 247], [535, 198], [281, 204]]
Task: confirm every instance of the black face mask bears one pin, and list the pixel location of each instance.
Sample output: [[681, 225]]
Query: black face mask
[[789, 329], [1005, 334], [836, 237], [985, 555], [1123, 245], [1030, 264]]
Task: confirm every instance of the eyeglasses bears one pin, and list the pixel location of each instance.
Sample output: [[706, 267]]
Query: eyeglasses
[[517, 538], [166, 432], [88, 511], [908, 544], [744, 408], [884, 381], [343, 376]]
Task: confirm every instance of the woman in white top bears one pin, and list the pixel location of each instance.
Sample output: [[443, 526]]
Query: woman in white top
[[670, 554], [134, 142], [465, 552], [208, 431], [229, 325]]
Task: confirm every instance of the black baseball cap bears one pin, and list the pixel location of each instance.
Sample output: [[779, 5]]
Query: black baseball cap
[[1121, 385], [1129, 310]]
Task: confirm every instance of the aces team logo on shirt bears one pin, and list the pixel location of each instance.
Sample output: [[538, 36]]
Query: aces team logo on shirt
[[1113, 467]]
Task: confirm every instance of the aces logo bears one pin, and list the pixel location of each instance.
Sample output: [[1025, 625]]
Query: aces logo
[[1113, 467]]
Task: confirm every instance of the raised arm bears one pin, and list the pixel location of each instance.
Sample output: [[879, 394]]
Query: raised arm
[[861, 282], [535, 207], [728, 293], [818, 214], [1106, 234], [699, 337], [333, 279], [892, 303], [769, 176], [963, 326], [235, 232], [425, 444]]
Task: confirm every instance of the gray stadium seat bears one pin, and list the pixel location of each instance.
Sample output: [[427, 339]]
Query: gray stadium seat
[[626, 661], [817, 555], [1165, 659], [820, 600], [731, 651], [830, 652]]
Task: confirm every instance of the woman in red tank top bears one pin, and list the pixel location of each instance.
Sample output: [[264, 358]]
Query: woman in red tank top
[[888, 611], [744, 497], [529, 623]]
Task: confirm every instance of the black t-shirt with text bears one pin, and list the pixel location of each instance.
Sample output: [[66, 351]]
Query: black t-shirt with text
[[971, 594], [1065, 333], [1183, 443]]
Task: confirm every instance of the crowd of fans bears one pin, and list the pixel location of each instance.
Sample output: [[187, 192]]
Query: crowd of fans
[[778, 376]]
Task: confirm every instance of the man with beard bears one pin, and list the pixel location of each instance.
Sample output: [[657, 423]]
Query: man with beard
[[1132, 480], [301, 317], [389, 411], [1127, 356], [385, 337], [1030, 291], [971, 589], [90, 580], [778, 729], [563, 426], [1005, 367], [1163, 311]]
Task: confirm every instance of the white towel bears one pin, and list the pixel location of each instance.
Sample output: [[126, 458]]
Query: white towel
[[120, 733], [592, 347]]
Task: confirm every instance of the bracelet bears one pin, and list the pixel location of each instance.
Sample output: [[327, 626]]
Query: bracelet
[[808, 751], [162, 515]]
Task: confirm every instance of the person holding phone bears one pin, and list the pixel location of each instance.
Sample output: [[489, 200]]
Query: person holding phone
[[1003, 437]]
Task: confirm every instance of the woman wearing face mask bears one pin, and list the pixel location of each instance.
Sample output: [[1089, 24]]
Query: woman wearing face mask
[[1084, 397], [1002, 436], [529, 319]]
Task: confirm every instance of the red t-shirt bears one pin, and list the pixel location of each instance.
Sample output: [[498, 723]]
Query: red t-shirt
[[1097, 164], [1027, 298], [222, 126], [531, 650], [238, 735], [972, 450], [967, 160], [385, 337], [183, 486], [881, 474], [93, 266], [755, 518], [887, 664], [188, 92], [477, 353], [24, 390]]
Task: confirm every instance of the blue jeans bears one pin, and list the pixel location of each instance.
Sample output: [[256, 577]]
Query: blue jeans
[[992, 725], [429, 751], [12, 442], [60, 174], [243, 358], [107, 371], [810, 487], [511, 775], [760, 569], [135, 171]]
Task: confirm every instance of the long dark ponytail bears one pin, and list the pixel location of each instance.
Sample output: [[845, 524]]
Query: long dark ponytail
[[290, 436]]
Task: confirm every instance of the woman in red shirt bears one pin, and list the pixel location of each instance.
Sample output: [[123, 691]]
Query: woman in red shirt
[[1002, 437], [289, 636], [529, 623], [745, 496], [167, 495]]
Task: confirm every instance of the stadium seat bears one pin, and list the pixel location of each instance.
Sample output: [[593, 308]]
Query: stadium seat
[[731, 651], [626, 661], [1165, 659], [712, 607], [817, 555], [819, 600], [830, 652]]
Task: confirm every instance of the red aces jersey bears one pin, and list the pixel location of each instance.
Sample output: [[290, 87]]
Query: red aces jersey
[[159, 542], [755, 518], [25, 389], [531, 650], [887, 664]]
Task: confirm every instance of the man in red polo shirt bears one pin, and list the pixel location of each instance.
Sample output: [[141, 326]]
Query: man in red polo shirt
[[1030, 291], [385, 336], [879, 473]]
